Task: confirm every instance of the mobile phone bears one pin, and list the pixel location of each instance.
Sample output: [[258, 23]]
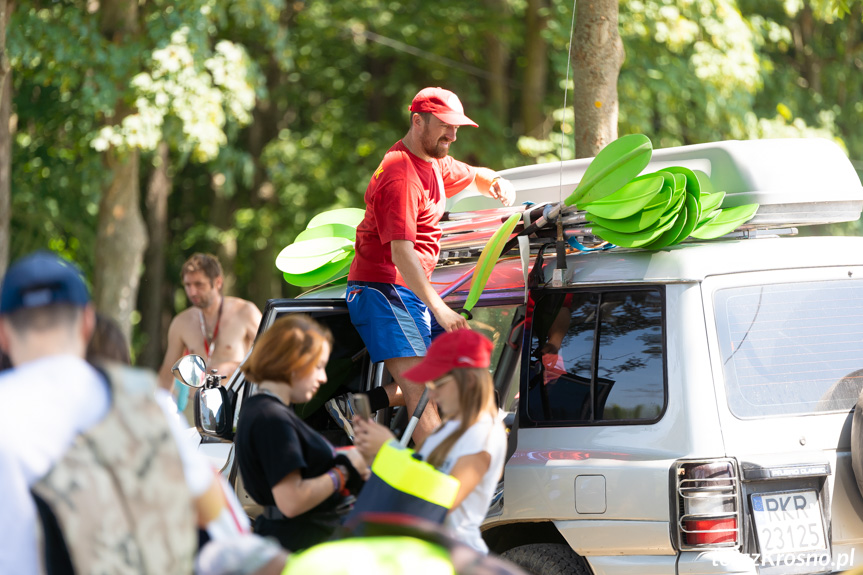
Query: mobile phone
[[361, 403]]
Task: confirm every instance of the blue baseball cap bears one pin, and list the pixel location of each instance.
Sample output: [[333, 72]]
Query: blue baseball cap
[[39, 279]]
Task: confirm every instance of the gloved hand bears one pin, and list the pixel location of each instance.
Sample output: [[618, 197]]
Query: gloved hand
[[354, 479]]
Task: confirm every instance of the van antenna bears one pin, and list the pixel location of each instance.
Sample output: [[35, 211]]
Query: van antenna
[[560, 244]]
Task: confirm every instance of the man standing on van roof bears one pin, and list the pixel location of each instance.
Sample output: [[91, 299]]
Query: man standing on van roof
[[390, 298]]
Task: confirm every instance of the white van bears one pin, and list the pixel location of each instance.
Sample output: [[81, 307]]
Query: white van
[[686, 410]]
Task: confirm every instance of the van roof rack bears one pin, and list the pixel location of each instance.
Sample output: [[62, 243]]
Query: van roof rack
[[796, 182]]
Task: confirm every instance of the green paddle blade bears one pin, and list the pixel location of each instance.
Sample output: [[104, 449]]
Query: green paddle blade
[[628, 200], [345, 216], [303, 257], [614, 166], [693, 186], [679, 184], [488, 258], [323, 275], [725, 222], [693, 212], [704, 183], [709, 204], [667, 237], [327, 231], [642, 219], [635, 240], [686, 218]]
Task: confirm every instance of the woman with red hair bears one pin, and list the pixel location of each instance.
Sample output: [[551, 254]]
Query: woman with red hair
[[286, 466]]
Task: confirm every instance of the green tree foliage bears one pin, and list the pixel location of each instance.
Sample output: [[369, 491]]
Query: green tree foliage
[[275, 110]]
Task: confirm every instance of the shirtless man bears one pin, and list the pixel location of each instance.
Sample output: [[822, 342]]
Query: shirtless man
[[219, 328]]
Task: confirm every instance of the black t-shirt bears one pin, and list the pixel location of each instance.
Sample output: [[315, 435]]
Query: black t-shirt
[[272, 442]]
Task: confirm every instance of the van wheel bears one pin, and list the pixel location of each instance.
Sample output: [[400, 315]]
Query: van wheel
[[547, 559], [857, 441]]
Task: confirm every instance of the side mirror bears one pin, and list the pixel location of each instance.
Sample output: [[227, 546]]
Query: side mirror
[[190, 370], [213, 412]]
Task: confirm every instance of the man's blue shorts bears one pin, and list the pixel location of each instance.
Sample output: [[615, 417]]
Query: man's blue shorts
[[392, 321]]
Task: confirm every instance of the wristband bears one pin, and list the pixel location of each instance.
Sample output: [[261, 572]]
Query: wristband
[[334, 477], [343, 475]]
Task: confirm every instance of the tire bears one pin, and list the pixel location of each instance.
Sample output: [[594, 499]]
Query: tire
[[857, 439], [547, 559]]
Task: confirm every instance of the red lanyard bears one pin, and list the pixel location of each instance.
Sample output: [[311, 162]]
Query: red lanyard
[[210, 346]]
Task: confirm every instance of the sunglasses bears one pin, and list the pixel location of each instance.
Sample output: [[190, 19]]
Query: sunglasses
[[440, 382]]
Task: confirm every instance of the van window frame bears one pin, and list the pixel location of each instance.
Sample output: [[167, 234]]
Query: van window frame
[[524, 418]]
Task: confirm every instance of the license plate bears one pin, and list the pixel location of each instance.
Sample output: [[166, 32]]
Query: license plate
[[788, 522]]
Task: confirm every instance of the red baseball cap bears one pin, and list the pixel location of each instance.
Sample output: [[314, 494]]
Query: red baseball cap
[[445, 106], [459, 348]]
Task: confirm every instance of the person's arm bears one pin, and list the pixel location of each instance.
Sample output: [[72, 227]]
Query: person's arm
[[488, 183], [295, 495], [408, 264], [469, 470], [172, 354], [253, 320]]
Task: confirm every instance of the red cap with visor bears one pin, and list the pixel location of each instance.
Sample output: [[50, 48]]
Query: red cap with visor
[[443, 104], [451, 350]]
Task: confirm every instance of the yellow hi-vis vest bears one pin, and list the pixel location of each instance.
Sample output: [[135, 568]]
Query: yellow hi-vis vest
[[400, 483], [386, 555], [119, 494]]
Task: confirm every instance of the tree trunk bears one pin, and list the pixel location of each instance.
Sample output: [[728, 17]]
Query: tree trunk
[[6, 131], [122, 237], [5, 139], [222, 218], [536, 71], [498, 62], [153, 281], [597, 57]]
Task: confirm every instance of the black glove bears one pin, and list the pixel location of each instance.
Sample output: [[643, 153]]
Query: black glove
[[353, 481]]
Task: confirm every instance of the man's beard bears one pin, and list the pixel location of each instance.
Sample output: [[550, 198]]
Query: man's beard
[[203, 302], [434, 148]]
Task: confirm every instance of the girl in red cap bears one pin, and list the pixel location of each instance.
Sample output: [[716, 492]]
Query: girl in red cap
[[470, 444]]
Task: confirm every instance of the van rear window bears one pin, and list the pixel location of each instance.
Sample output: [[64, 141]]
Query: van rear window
[[792, 348]]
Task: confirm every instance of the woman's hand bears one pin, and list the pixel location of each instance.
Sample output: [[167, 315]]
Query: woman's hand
[[358, 461], [369, 436]]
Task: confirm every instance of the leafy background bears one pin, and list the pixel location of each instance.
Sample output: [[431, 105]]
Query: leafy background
[[271, 111]]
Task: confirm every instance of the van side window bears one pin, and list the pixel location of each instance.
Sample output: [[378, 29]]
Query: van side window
[[577, 378]]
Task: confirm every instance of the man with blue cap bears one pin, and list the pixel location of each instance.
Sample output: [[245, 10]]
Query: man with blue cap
[[91, 473]]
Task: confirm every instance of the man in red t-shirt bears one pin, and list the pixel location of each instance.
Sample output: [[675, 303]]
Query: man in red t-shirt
[[390, 298]]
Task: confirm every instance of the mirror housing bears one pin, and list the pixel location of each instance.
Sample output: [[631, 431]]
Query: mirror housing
[[190, 370], [214, 413]]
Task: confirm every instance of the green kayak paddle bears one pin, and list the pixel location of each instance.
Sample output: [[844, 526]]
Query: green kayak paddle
[[303, 257], [635, 240], [725, 222], [704, 183], [643, 219], [488, 258], [327, 231], [685, 220], [612, 168], [628, 200], [693, 212], [709, 203], [324, 274], [693, 186], [345, 216]]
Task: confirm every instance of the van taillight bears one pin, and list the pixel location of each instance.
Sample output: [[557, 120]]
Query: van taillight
[[708, 496]]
